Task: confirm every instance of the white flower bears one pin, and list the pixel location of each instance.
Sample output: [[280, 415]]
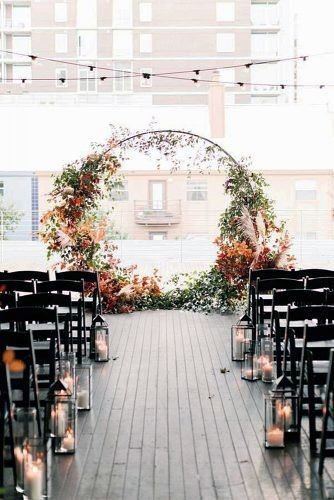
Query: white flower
[[68, 190]]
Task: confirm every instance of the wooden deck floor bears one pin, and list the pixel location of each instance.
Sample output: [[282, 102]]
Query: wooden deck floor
[[167, 424]]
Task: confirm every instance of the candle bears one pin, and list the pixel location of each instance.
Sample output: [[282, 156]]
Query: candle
[[275, 437], [69, 382], [83, 399], [261, 361], [33, 481], [248, 374], [238, 345], [58, 421], [68, 441], [102, 350], [267, 372], [286, 413]]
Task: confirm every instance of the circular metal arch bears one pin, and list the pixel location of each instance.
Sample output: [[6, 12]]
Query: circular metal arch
[[166, 131]]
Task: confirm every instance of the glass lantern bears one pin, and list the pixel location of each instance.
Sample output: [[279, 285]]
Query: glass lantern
[[84, 386], [249, 367], [99, 339], [24, 428], [61, 418], [241, 332], [273, 421], [37, 468], [67, 364], [265, 359], [288, 406]]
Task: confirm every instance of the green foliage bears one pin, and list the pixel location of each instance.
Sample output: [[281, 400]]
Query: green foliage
[[11, 219], [204, 291], [246, 189]]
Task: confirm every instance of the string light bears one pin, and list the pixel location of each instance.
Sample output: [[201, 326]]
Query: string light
[[171, 75]]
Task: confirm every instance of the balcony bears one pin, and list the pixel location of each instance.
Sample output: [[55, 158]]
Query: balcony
[[157, 213], [13, 25]]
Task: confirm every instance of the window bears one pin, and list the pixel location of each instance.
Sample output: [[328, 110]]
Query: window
[[264, 14], [61, 73], [267, 73], [21, 44], [86, 14], [21, 16], [60, 42], [145, 12], [22, 71], [122, 44], [197, 191], [87, 44], [87, 82], [158, 236], [146, 82], [227, 76], [145, 43], [123, 82], [225, 42], [122, 13], [264, 45], [225, 11], [121, 193], [2, 188], [60, 12], [306, 190]]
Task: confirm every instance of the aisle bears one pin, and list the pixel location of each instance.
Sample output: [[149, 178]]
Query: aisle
[[167, 423]]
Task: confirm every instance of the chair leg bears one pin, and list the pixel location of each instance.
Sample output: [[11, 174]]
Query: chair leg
[[311, 408], [2, 441], [329, 385]]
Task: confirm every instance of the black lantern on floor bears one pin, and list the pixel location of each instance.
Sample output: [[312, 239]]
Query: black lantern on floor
[[249, 367], [99, 339], [241, 332], [273, 421], [37, 469], [84, 382], [61, 418]]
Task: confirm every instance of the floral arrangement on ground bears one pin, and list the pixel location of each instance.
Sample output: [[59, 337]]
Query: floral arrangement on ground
[[75, 228]]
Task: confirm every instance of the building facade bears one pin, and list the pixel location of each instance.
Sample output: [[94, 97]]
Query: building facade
[[143, 37]]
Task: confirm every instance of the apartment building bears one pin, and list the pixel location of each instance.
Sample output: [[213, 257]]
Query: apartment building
[[143, 37]]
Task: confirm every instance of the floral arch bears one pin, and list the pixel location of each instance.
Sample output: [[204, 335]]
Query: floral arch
[[75, 229]]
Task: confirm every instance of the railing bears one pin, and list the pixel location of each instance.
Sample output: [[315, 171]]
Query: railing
[[17, 25], [185, 245], [157, 213]]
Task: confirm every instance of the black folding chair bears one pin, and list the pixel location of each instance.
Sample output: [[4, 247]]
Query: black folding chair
[[62, 302], [264, 294], [328, 415], [280, 302], [21, 344], [17, 286], [314, 367], [25, 275], [294, 330], [76, 289], [326, 282], [45, 329], [263, 274], [313, 273], [6, 419]]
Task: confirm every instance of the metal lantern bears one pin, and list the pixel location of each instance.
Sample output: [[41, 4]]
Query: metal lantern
[[84, 386], [67, 362], [99, 339], [36, 469], [288, 405], [273, 421], [240, 333], [24, 429], [249, 367], [61, 418]]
